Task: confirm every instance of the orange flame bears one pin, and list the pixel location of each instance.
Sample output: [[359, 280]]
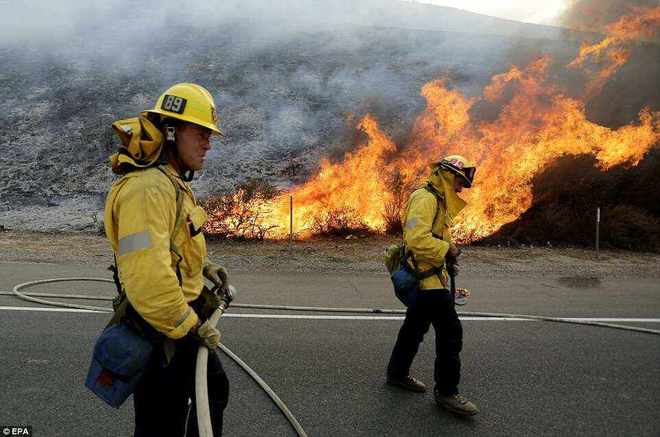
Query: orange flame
[[536, 123], [354, 186], [536, 126]]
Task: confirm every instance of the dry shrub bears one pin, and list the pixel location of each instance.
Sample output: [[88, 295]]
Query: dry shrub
[[567, 194], [241, 213], [629, 227], [393, 209], [293, 169], [337, 222]]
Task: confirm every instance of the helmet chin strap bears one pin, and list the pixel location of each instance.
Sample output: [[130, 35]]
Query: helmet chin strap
[[188, 175], [185, 172]]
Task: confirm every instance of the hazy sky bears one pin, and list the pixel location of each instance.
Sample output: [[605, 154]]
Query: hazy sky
[[529, 11], [44, 19]]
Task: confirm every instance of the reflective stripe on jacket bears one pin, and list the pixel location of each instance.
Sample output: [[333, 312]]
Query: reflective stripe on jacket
[[140, 217], [427, 240]]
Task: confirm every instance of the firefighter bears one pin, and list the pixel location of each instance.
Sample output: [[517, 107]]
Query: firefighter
[[426, 220], [154, 225]]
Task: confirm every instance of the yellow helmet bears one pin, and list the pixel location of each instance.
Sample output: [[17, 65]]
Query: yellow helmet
[[188, 102], [459, 166]]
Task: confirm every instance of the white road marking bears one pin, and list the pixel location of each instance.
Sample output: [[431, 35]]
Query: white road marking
[[317, 317], [333, 317], [610, 319], [49, 309], [470, 318]]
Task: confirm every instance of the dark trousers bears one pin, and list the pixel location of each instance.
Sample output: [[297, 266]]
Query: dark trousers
[[434, 307], [161, 398]]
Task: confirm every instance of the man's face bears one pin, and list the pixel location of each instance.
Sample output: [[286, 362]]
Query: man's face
[[192, 143], [458, 184]]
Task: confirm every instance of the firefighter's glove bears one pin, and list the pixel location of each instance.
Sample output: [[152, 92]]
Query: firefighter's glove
[[207, 302], [216, 274], [208, 335]]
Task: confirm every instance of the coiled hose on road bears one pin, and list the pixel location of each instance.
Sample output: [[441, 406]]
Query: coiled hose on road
[[201, 389], [36, 298], [32, 298]]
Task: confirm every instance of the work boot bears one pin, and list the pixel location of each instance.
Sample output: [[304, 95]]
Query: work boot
[[456, 404], [407, 383]]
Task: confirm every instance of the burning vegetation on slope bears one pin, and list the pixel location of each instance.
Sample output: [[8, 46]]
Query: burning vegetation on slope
[[532, 122]]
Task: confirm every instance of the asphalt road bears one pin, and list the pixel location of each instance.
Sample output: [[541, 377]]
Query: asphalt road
[[527, 377]]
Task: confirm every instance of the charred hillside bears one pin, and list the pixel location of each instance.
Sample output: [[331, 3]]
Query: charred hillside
[[288, 91], [282, 99]]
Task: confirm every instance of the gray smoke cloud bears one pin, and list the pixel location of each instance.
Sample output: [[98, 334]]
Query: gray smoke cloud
[[595, 15]]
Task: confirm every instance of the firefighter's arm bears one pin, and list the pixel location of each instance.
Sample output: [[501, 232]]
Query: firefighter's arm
[[146, 216], [417, 231]]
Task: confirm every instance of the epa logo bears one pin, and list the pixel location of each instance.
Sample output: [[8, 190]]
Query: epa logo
[[23, 431]]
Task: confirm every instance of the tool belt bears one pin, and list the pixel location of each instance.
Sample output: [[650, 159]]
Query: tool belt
[[129, 345], [415, 271], [204, 306], [397, 256]]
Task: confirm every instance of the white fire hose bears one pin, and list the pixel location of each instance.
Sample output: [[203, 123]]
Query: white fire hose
[[201, 382], [304, 308], [33, 298]]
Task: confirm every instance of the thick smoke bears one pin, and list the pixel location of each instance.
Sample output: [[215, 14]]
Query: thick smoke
[[595, 15], [636, 84]]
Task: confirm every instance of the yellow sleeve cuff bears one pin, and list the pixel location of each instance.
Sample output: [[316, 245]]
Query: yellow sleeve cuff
[[190, 319]]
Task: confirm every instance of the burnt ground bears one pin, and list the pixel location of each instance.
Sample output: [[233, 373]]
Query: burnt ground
[[577, 266]]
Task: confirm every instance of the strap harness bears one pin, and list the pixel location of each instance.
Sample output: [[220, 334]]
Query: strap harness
[[419, 275]]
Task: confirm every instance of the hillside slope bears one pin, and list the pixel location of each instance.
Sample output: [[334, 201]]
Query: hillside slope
[[287, 91]]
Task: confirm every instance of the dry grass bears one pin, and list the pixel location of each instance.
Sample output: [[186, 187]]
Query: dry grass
[[355, 255]]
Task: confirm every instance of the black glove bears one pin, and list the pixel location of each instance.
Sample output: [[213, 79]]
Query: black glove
[[206, 303]]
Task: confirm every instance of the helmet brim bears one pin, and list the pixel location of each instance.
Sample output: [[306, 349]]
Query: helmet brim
[[187, 119]]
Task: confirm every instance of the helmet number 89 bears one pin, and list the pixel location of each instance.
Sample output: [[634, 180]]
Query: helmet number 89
[[174, 104]]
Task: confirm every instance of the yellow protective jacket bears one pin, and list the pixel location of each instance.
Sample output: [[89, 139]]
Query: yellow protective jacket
[[426, 232], [140, 219]]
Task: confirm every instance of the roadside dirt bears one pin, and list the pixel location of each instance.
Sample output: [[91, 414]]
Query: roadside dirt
[[574, 266]]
